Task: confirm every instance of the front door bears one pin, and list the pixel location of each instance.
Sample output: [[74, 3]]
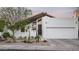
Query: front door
[[39, 29]]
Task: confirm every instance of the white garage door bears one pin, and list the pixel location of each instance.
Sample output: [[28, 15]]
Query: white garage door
[[59, 28]]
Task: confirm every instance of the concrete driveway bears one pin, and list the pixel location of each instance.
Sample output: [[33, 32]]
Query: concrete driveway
[[51, 45], [64, 44]]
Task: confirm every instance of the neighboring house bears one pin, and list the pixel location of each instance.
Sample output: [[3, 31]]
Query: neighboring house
[[77, 14], [50, 27]]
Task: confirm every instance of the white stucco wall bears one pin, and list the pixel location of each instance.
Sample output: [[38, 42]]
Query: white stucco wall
[[60, 28], [18, 33], [23, 34]]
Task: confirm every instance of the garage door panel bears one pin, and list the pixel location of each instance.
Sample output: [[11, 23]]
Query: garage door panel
[[61, 23], [59, 28], [60, 33]]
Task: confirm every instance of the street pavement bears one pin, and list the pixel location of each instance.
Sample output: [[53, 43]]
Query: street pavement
[[51, 45]]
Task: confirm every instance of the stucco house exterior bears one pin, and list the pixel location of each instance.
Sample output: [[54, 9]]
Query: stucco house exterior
[[50, 27]]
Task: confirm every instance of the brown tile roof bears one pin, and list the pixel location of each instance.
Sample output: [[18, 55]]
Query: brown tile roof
[[40, 15]]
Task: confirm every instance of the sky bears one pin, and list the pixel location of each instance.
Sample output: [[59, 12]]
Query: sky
[[58, 12]]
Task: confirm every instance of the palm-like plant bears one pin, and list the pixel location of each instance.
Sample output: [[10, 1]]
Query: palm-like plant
[[37, 38]]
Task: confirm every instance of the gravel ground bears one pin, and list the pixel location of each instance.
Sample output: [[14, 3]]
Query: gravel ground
[[51, 45]]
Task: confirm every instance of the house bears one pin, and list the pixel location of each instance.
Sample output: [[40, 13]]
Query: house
[[34, 24], [50, 27], [77, 14]]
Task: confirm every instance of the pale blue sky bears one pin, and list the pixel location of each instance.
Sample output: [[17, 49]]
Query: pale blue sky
[[60, 12]]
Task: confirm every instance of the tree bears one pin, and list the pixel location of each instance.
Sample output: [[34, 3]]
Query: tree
[[13, 17], [2, 25]]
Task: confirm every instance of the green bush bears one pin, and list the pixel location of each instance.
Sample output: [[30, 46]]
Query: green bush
[[6, 34], [22, 29], [37, 38], [2, 25], [1, 30], [44, 40]]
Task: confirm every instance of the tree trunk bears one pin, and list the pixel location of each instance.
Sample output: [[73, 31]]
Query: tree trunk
[[29, 36], [13, 36]]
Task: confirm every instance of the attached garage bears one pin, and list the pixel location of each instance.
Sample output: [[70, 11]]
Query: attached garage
[[53, 28]]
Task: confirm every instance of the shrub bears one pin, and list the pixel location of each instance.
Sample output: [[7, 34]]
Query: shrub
[[6, 34], [22, 29], [25, 41], [1, 30], [32, 37], [37, 38], [2, 25], [44, 40]]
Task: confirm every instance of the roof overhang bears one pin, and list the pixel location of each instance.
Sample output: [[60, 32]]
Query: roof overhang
[[40, 15]]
